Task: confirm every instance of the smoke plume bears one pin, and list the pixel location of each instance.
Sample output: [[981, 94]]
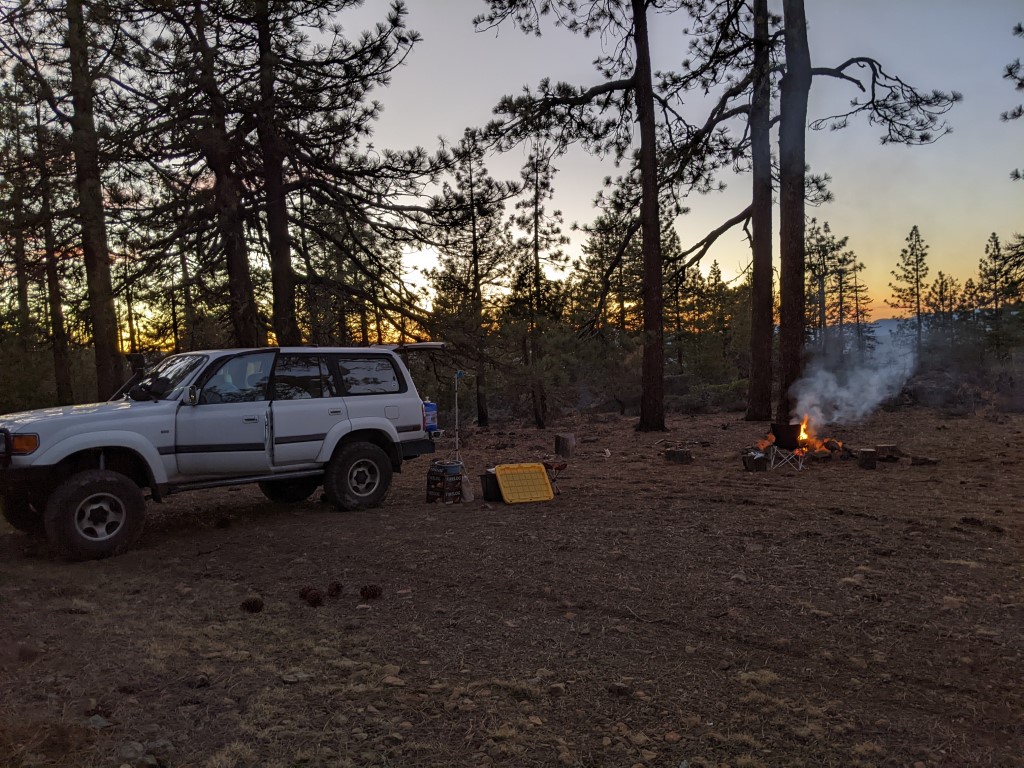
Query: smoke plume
[[848, 391]]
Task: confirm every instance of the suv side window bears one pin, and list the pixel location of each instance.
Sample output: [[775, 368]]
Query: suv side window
[[300, 377], [369, 375], [241, 379]]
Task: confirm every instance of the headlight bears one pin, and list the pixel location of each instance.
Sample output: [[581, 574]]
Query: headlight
[[24, 444]]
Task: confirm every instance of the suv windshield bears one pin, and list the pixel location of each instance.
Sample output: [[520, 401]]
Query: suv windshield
[[163, 381]]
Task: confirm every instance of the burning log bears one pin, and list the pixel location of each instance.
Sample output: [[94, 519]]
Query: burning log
[[866, 458]]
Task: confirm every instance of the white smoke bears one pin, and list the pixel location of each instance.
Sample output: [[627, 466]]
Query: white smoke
[[847, 392]]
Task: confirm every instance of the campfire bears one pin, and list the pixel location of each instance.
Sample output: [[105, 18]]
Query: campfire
[[793, 443]]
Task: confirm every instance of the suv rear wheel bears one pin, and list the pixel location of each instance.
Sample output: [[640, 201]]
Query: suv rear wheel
[[358, 476], [94, 514]]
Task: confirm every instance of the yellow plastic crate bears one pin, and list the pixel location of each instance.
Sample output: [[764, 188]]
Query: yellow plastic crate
[[523, 482]]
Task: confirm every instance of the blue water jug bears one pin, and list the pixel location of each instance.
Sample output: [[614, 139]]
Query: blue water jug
[[430, 416]]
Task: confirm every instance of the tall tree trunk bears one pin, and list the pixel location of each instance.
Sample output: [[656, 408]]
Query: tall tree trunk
[[189, 334], [55, 296], [282, 275], [535, 349], [652, 398], [227, 189], [762, 324], [480, 332], [796, 86], [316, 332], [21, 276], [85, 145]]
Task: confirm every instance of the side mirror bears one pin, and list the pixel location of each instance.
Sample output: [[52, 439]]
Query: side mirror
[[192, 395]]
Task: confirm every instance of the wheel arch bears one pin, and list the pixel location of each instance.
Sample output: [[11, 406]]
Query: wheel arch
[[115, 458], [377, 437]]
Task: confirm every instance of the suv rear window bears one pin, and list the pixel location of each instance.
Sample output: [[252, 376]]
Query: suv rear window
[[370, 375]]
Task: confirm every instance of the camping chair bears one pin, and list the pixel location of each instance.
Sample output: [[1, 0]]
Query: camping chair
[[554, 469], [780, 457]]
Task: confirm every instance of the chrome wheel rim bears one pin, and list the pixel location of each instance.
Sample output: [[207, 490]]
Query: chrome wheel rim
[[100, 517], [363, 477]]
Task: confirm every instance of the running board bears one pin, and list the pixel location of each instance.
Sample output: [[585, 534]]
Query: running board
[[226, 482]]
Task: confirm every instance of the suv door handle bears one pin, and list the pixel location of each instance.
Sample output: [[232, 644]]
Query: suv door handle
[[251, 419], [334, 411]]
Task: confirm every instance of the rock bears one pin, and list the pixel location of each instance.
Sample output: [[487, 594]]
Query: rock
[[672, 737], [295, 676], [393, 680], [132, 751], [556, 689], [99, 722], [619, 689]]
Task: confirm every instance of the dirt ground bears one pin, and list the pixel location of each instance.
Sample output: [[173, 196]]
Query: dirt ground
[[652, 614]]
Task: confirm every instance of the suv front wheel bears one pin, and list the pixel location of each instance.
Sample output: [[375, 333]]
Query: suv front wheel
[[358, 476], [94, 514], [19, 513]]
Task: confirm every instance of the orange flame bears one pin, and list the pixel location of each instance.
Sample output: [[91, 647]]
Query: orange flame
[[810, 442]]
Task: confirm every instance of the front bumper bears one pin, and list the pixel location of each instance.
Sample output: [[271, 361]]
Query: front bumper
[[26, 481], [6, 448]]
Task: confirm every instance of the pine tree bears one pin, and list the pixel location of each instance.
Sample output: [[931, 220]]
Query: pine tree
[[541, 244], [908, 290], [474, 248], [941, 302]]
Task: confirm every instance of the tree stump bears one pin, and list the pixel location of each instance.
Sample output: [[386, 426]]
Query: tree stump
[[866, 458], [888, 452], [565, 445]]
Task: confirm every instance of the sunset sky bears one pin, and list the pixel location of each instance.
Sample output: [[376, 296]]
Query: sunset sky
[[957, 191]]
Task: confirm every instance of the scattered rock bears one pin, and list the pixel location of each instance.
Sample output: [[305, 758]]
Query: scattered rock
[[295, 676], [619, 689], [99, 722], [393, 680], [556, 689]]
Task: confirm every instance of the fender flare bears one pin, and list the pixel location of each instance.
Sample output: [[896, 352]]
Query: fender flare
[[92, 441], [369, 424]]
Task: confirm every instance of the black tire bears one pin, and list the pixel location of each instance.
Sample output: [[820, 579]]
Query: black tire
[[19, 512], [94, 514], [358, 476], [290, 491]]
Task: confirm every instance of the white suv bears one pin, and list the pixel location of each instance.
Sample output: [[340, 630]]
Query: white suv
[[289, 419]]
